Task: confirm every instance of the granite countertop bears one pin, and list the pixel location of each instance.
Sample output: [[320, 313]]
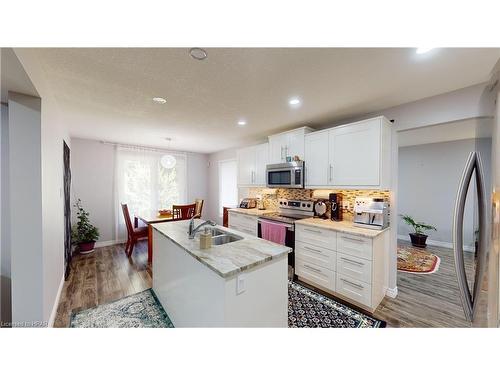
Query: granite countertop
[[344, 226], [226, 260], [251, 211]]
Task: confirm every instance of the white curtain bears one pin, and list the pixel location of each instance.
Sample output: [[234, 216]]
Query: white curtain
[[146, 184]]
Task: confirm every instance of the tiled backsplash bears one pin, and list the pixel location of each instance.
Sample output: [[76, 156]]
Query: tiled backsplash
[[271, 200]]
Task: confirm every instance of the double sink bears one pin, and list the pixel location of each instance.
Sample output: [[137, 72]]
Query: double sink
[[220, 237]]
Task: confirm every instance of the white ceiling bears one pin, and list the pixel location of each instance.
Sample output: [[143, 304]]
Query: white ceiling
[[13, 77], [106, 94]]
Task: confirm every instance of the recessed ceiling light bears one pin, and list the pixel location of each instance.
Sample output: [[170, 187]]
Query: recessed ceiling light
[[422, 50], [168, 139], [198, 53], [242, 123], [159, 100], [294, 102]]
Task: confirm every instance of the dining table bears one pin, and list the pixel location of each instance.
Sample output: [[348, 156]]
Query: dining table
[[149, 218]]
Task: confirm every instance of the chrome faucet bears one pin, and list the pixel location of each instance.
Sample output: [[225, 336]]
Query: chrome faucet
[[192, 230]]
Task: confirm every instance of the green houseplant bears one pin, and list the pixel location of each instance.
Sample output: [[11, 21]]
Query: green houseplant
[[84, 234], [418, 238]]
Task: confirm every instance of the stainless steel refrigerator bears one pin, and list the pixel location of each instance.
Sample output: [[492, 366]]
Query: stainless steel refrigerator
[[479, 289]]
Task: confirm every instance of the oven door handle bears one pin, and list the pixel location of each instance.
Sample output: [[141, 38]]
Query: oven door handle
[[288, 226]]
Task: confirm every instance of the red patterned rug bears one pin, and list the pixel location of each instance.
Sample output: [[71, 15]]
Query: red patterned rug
[[415, 260]]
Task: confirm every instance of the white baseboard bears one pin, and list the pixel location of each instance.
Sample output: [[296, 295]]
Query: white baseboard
[[447, 245], [109, 243], [52, 317], [392, 292]]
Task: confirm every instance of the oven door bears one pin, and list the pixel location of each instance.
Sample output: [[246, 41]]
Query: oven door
[[290, 177], [289, 242]]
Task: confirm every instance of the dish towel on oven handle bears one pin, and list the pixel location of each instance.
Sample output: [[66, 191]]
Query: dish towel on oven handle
[[274, 232]]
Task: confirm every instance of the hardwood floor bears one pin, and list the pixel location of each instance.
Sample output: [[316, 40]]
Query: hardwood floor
[[430, 300], [103, 276], [106, 275]]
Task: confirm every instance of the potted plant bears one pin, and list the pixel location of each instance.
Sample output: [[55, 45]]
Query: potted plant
[[418, 238], [84, 234]]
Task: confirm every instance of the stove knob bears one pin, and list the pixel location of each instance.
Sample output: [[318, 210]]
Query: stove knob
[[284, 203], [303, 204], [309, 205]]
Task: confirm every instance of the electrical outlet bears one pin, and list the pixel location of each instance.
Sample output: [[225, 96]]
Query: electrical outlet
[[240, 284]]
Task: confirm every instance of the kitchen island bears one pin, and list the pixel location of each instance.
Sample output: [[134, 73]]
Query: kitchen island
[[242, 283]]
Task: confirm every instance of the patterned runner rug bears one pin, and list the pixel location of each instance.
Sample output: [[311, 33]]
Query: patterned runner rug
[[306, 308], [414, 260], [309, 309]]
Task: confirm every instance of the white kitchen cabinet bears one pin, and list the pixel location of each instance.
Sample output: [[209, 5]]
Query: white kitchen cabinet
[[290, 143], [350, 266], [252, 163], [356, 156], [316, 159], [243, 223], [261, 161]]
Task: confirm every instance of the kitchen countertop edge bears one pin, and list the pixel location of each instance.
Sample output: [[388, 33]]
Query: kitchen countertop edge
[[235, 271]]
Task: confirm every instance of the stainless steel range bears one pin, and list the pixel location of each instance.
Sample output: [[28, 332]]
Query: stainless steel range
[[289, 211]]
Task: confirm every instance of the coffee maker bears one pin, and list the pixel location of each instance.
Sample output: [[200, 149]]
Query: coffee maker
[[372, 213], [335, 206]]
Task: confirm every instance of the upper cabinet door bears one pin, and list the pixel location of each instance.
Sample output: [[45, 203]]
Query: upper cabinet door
[[246, 166], [261, 161], [295, 144], [316, 159], [277, 148], [355, 154]]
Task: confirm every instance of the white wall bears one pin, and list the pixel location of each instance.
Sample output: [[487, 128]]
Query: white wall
[[25, 183], [5, 281], [53, 133], [93, 175], [428, 181], [92, 180]]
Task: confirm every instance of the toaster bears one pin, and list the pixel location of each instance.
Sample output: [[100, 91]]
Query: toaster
[[248, 203]]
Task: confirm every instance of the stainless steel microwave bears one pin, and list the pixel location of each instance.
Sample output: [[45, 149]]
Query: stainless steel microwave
[[285, 175]]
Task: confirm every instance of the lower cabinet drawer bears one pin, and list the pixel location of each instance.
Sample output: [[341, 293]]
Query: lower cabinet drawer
[[318, 236], [354, 289], [357, 246], [316, 255], [320, 276], [244, 223], [243, 229], [357, 268]]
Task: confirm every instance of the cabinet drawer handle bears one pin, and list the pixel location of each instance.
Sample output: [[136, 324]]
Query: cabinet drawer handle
[[312, 230], [352, 261], [315, 250], [353, 284], [353, 239], [312, 268]]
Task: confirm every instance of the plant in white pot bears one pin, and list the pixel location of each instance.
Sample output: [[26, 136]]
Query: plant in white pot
[[84, 234], [418, 238]]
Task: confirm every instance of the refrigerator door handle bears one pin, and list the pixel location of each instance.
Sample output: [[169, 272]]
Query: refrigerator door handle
[[469, 299]]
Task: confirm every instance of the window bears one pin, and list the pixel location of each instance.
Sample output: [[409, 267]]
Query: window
[[148, 181], [228, 188]]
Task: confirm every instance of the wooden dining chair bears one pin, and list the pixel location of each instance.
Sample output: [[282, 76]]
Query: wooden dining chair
[[199, 207], [133, 234], [183, 212]]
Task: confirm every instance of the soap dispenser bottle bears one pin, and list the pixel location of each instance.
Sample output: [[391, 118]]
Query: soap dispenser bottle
[[206, 239]]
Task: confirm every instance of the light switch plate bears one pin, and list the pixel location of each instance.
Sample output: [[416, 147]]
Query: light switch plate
[[240, 284]]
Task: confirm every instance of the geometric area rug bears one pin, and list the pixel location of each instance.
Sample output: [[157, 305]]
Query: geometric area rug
[[140, 310], [413, 260], [306, 308]]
